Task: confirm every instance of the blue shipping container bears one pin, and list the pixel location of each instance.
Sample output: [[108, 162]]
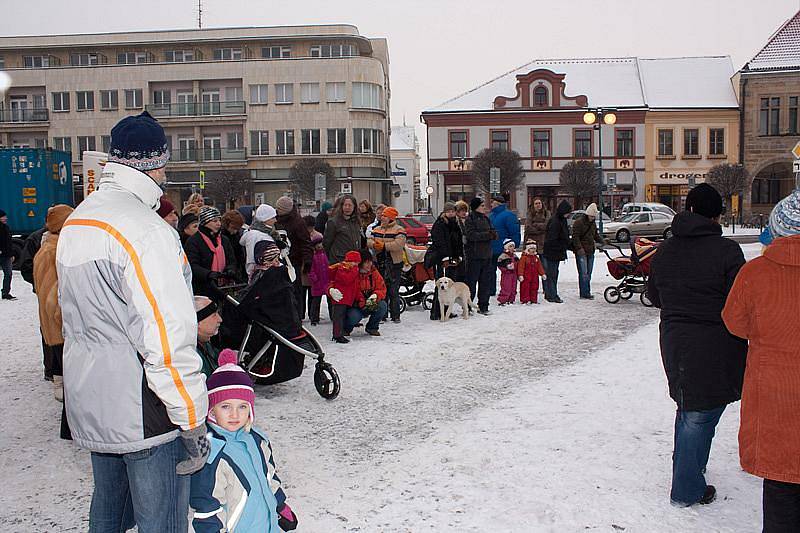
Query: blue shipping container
[[31, 181]]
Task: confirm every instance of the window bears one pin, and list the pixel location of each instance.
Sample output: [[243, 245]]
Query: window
[[583, 144], [85, 143], [540, 97], [367, 141], [309, 141], [333, 50], [258, 94], [133, 98], [108, 99], [309, 93], [335, 91], [82, 60], [212, 148], [769, 116], [367, 95], [63, 143], [162, 98], [105, 143], [716, 141], [40, 143], [458, 144], [259, 142], [766, 191], [284, 93], [793, 115], [500, 140], [2, 63], [60, 101], [276, 52], [227, 54], [337, 141], [691, 142], [132, 58], [623, 141], [179, 56], [36, 61], [85, 100], [284, 142], [235, 141], [665, 143], [40, 101], [187, 149], [541, 144]]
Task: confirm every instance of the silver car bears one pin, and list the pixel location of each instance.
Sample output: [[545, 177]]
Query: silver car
[[652, 224]]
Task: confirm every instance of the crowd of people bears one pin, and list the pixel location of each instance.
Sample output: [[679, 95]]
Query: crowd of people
[[129, 306]]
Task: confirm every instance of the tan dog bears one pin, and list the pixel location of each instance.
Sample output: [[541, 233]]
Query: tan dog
[[451, 292]]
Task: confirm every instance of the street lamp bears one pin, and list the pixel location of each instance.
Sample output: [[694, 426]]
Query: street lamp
[[596, 118], [429, 190]]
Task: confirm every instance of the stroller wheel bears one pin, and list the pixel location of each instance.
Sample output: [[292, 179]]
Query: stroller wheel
[[326, 380], [612, 295], [625, 293], [427, 301], [645, 300], [402, 304]]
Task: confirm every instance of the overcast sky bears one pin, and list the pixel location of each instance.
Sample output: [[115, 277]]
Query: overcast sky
[[441, 48]]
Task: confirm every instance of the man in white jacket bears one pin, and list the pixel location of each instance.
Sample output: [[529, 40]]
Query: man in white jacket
[[132, 379]]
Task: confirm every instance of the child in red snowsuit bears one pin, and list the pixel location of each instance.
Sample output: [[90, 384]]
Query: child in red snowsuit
[[507, 263], [529, 268], [344, 290]]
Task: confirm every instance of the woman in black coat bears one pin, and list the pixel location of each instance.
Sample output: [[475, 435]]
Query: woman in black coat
[[556, 243], [447, 250], [201, 249]]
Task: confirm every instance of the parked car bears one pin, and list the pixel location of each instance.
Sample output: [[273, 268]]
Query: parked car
[[642, 224], [645, 207], [416, 232], [426, 219], [572, 216]]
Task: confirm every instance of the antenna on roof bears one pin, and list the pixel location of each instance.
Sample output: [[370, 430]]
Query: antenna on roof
[[200, 14]]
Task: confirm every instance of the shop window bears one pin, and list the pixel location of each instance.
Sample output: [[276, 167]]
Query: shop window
[[665, 143]]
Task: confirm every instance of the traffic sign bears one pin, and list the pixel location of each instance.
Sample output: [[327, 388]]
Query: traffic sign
[[202, 179], [796, 150], [796, 166], [494, 180]]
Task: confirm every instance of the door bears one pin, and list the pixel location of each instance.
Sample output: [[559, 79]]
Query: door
[[186, 103], [642, 225], [210, 102], [19, 108]]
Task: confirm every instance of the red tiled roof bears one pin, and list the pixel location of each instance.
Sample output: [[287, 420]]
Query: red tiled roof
[[782, 51]]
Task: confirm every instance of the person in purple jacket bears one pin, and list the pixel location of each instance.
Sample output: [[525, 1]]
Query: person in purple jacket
[[318, 276]]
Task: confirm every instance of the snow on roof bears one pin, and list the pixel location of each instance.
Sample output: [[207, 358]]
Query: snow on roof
[[619, 82], [402, 138], [782, 51], [688, 82]]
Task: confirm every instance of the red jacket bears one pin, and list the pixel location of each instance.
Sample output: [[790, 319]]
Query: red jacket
[[344, 277], [529, 266], [371, 283]]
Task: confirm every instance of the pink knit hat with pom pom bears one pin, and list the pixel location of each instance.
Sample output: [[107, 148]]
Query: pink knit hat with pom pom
[[230, 382]]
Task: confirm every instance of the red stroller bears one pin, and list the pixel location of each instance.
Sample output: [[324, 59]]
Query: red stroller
[[632, 271]]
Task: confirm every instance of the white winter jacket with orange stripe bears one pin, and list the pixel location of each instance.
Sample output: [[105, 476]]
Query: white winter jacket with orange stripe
[[132, 376]]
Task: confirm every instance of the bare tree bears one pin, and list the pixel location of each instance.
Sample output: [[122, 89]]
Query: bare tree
[[729, 180], [229, 187], [506, 160], [579, 179], [303, 173]]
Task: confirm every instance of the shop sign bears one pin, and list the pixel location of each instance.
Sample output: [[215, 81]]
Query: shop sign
[[673, 177]]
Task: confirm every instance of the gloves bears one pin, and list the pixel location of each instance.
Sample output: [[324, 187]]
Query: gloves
[[197, 447], [214, 275], [522, 278], [544, 276], [510, 266], [373, 298], [287, 520], [336, 294]]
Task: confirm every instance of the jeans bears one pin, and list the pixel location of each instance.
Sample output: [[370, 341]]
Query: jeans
[[5, 264], [356, 314], [479, 279], [551, 283], [781, 503], [140, 488], [693, 433], [391, 275], [585, 264]]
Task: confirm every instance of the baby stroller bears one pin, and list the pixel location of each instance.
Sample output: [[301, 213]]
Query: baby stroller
[[273, 352], [632, 271], [414, 278]]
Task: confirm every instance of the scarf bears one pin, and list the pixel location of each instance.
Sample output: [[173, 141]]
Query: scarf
[[218, 262]]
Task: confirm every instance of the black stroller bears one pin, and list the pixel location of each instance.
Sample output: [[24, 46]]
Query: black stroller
[[273, 351]]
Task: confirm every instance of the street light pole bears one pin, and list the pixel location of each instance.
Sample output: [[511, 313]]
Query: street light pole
[[596, 118]]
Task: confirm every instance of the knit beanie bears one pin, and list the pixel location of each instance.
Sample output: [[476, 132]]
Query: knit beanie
[[475, 203], [507, 242], [139, 142], [265, 212], [230, 382], [165, 207], [56, 216], [325, 206], [591, 211], [784, 221], [284, 205], [353, 256], [390, 213], [704, 200], [2, 213], [499, 198], [185, 220], [449, 206], [265, 252], [207, 214]]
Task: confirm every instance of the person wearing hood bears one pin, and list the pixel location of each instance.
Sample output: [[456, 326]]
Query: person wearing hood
[[479, 233], [556, 242], [690, 278], [322, 217], [762, 308], [585, 237], [388, 242], [134, 392], [301, 252], [262, 229], [211, 255], [506, 224]]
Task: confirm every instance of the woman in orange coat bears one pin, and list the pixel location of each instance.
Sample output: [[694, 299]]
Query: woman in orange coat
[[764, 307]]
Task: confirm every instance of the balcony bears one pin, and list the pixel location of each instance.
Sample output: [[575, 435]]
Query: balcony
[[195, 109], [208, 155], [24, 116]]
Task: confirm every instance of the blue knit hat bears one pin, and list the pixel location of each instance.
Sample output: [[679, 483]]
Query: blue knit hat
[[785, 218], [139, 142]]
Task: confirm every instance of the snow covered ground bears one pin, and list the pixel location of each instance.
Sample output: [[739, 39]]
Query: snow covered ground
[[539, 418]]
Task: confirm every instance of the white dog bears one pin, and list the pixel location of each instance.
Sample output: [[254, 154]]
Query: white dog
[[451, 292]]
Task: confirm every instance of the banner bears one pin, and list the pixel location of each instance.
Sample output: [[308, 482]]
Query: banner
[[93, 163]]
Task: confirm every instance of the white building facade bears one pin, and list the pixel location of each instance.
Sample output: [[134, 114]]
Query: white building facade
[[405, 169]]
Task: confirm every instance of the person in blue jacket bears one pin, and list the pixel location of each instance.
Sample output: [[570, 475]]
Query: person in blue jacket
[[238, 488], [506, 224]]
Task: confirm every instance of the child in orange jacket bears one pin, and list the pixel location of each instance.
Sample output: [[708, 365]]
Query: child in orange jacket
[[344, 289], [529, 268]]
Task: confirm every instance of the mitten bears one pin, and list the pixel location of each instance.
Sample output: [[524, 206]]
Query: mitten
[[510, 266], [372, 298], [214, 275], [544, 276], [522, 278], [336, 294], [287, 520], [197, 447]]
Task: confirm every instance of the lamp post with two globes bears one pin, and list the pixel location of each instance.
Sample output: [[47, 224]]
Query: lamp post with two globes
[[596, 117]]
